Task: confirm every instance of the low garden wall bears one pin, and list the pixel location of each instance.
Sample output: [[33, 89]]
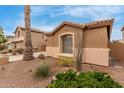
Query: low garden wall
[[4, 60]]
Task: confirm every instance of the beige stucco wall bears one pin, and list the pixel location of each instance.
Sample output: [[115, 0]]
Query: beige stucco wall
[[37, 40], [8, 43], [117, 51], [53, 41], [98, 56], [20, 45], [96, 38], [16, 33], [52, 51], [93, 38], [10, 39]]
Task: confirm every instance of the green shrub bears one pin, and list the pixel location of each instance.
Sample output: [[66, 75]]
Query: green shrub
[[65, 61], [41, 56], [20, 50], [42, 71], [71, 79]]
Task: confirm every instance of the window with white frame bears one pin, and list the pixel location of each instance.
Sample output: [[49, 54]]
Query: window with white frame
[[66, 43]]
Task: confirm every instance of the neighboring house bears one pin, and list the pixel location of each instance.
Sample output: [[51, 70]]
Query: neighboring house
[[96, 38], [10, 39], [38, 39]]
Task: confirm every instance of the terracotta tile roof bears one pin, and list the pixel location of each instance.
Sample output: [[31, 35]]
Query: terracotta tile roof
[[32, 29], [66, 23], [74, 24], [100, 23], [90, 25]]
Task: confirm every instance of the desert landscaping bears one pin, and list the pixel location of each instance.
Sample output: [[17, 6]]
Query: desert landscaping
[[72, 55], [20, 74]]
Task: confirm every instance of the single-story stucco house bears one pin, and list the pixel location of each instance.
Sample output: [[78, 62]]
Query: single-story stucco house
[[96, 38], [38, 39]]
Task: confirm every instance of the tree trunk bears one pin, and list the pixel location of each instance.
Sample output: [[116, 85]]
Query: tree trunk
[[79, 49], [28, 53]]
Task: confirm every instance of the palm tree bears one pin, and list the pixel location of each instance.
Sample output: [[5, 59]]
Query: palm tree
[[28, 53]]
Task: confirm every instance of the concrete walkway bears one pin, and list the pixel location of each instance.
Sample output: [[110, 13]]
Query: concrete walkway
[[13, 58]]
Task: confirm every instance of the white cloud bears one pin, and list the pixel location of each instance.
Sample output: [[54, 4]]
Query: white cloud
[[47, 28], [93, 12], [116, 33], [42, 10], [37, 10], [90, 12]]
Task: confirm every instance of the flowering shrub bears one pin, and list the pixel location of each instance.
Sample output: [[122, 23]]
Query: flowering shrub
[[71, 79]]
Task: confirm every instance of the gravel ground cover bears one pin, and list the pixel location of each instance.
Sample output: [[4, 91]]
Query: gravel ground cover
[[19, 74]]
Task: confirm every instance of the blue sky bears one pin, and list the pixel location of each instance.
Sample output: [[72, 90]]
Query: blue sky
[[48, 17]]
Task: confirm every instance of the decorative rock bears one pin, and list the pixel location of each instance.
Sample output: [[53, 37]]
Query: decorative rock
[[3, 68], [54, 78], [30, 70]]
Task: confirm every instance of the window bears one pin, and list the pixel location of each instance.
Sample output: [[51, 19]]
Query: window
[[18, 33], [42, 35], [66, 43]]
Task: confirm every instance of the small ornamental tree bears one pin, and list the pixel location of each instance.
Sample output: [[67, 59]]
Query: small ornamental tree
[[2, 36], [78, 51]]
